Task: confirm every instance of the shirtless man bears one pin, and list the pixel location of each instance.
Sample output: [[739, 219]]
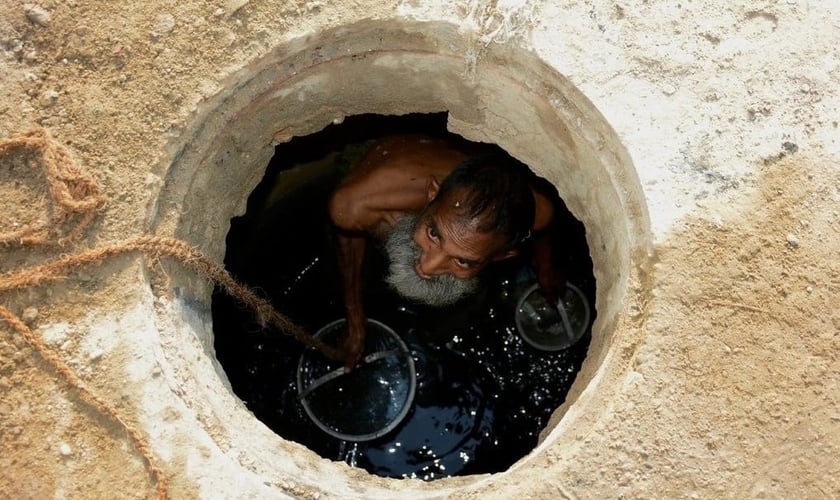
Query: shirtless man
[[443, 215]]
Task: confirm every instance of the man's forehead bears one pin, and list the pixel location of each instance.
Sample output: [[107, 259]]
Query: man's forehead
[[460, 235]]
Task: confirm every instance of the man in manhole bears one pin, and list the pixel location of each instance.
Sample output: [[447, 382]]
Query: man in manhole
[[444, 211]]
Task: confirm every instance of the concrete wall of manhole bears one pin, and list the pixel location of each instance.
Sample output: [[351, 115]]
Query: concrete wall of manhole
[[502, 95]]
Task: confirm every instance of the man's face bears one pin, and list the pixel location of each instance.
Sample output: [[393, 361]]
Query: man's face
[[435, 257], [404, 254], [450, 244]]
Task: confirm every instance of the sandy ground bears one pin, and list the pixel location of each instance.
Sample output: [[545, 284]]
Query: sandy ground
[[734, 390], [729, 112]]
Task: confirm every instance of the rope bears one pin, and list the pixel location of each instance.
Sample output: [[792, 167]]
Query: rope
[[98, 403], [74, 193], [189, 257]]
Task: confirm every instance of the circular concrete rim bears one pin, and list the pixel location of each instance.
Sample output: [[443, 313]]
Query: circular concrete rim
[[501, 94]]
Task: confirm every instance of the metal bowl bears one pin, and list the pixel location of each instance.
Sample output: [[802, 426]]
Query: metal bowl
[[552, 327], [366, 402]]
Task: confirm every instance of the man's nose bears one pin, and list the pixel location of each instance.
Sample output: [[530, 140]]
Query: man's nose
[[431, 263]]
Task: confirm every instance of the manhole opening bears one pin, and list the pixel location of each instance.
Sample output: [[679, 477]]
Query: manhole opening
[[483, 394], [508, 96]]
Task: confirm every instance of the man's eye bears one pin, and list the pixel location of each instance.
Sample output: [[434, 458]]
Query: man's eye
[[433, 234], [463, 263]]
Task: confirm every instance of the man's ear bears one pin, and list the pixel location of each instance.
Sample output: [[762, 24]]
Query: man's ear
[[432, 188], [506, 254]]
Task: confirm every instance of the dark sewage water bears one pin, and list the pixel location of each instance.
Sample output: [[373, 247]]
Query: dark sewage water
[[483, 395]]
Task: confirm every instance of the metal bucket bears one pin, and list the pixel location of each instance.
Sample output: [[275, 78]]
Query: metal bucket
[[366, 402], [552, 327]]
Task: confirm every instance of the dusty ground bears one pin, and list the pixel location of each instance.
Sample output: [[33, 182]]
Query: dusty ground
[[730, 391], [734, 390]]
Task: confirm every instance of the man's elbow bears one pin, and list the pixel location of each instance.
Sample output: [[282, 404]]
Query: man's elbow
[[543, 213], [343, 210]]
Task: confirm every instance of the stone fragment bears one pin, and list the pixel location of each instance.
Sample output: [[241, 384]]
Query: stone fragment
[[65, 450], [48, 98], [231, 6], [55, 333], [164, 24], [29, 315], [36, 14], [792, 240]]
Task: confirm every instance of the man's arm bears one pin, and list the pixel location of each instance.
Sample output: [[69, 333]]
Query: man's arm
[[546, 262], [351, 253], [352, 222], [546, 247]]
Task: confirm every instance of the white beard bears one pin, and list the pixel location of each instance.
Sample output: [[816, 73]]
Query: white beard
[[403, 253]]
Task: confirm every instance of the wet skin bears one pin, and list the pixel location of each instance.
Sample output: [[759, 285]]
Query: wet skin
[[401, 175]]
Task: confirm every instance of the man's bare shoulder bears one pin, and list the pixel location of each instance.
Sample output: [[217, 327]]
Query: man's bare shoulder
[[391, 179]]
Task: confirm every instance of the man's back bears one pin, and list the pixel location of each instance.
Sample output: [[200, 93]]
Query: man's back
[[391, 180]]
